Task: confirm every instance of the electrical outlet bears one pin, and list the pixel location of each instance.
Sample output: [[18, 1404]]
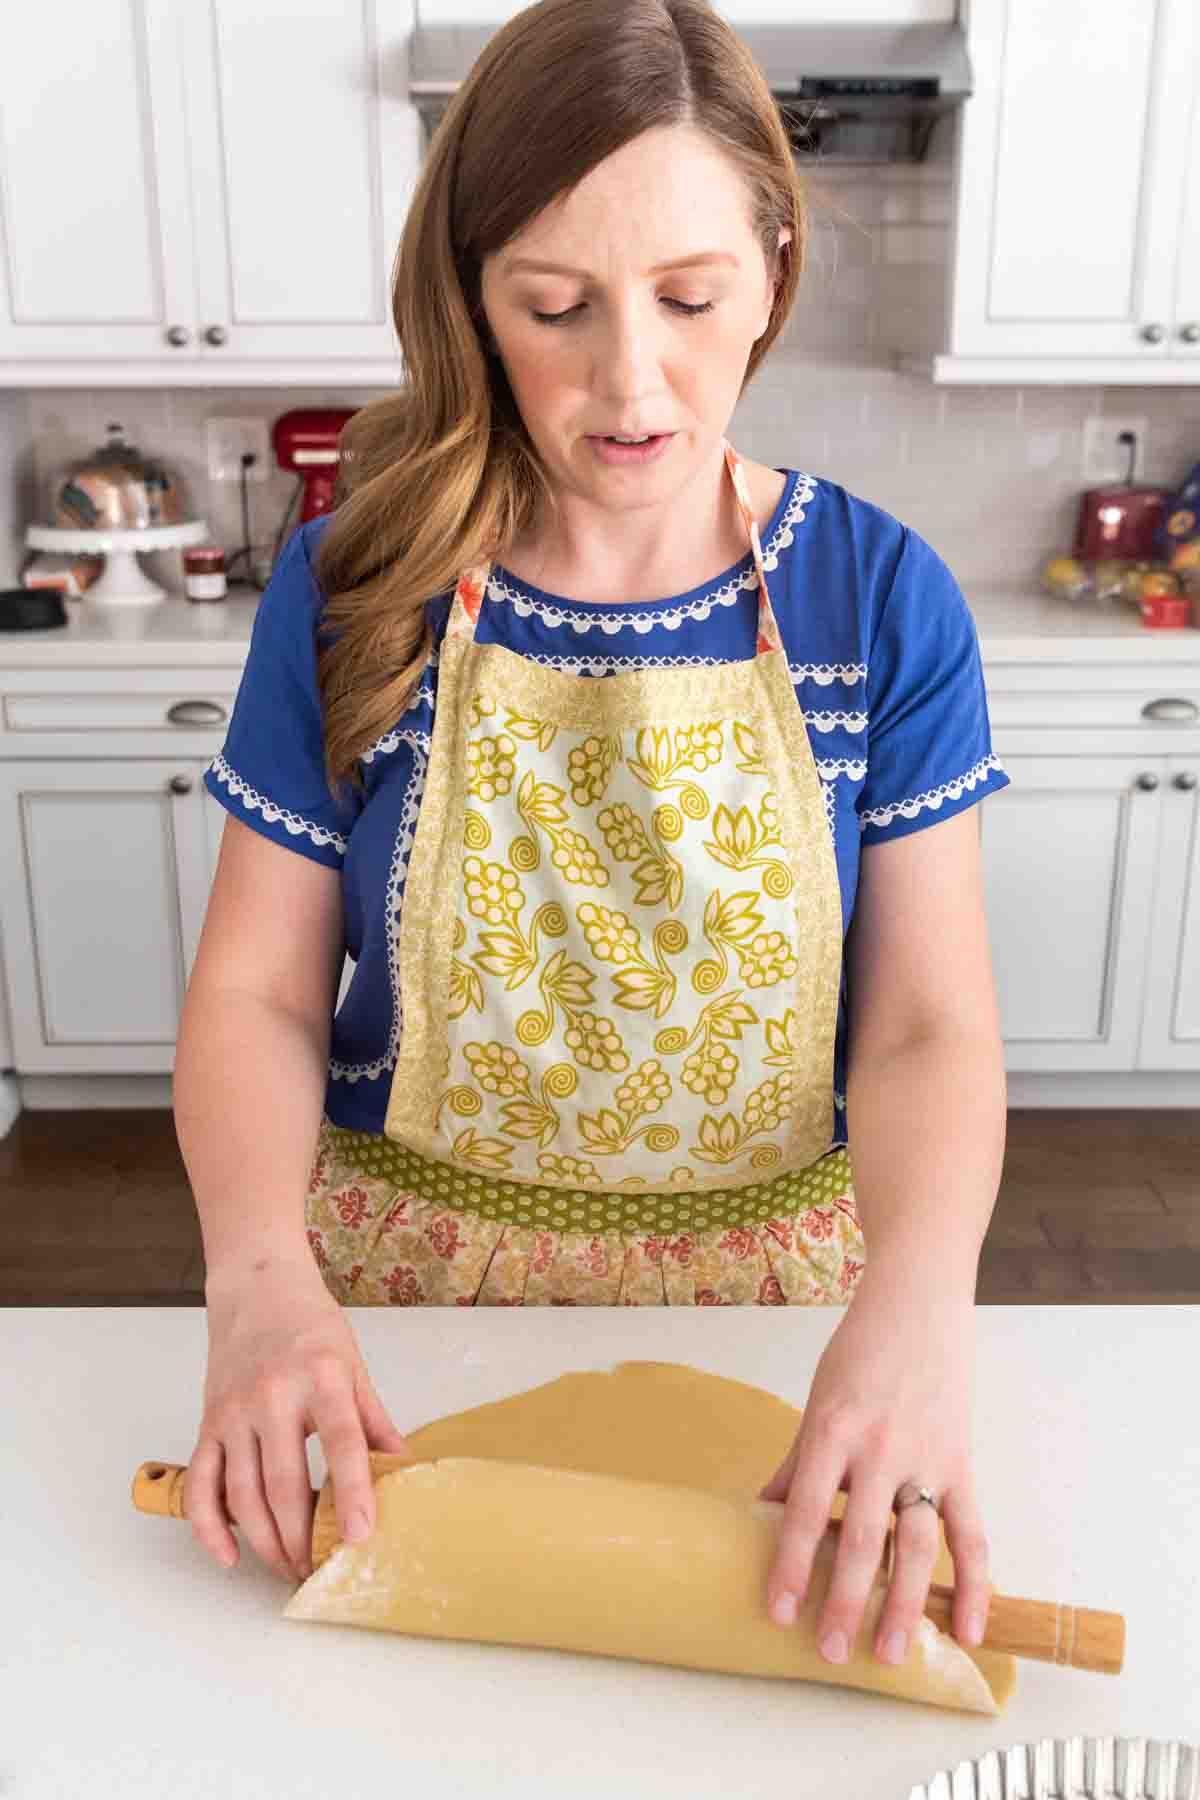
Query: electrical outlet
[[228, 440], [1106, 460]]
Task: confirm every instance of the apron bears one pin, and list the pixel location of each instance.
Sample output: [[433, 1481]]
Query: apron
[[620, 953]]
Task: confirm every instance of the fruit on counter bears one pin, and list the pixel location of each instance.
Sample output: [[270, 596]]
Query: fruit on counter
[[1131, 581], [1067, 577], [1156, 581], [1108, 578], [1115, 578]]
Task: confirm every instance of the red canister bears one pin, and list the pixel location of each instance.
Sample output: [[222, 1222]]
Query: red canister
[[1165, 611]]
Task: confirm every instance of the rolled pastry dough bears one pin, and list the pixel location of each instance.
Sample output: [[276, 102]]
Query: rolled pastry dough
[[617, 1514]]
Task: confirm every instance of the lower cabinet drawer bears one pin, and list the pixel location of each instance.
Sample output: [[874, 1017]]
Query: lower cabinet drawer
[[29, 713], [1167, 706]]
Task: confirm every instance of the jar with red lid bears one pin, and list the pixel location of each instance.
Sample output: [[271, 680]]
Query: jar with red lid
[[204, 572]]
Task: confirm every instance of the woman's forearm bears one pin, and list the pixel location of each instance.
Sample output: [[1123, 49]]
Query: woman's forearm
[[248, 1094], [926, 1129]]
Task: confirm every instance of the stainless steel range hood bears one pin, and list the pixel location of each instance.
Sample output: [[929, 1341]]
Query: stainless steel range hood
[[862, 93], [847, 93]]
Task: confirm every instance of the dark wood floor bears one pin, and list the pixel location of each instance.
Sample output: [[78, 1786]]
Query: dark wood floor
[[95, 1210]]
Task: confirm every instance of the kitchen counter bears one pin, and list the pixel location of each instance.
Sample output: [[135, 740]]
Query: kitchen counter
[[136, 1667], [1014, 625]]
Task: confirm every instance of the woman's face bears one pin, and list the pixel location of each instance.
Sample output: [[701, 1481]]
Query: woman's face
[[636, 347]]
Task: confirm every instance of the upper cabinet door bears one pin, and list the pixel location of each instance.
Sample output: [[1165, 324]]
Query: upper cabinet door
[[200, 183], [95, 207], [1073, 172], [1186, 341], [305, 149]]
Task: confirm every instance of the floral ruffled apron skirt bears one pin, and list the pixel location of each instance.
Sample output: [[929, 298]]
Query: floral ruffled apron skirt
[[620, 954]]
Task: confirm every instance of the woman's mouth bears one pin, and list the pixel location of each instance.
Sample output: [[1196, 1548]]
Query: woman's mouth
[[615, 451]]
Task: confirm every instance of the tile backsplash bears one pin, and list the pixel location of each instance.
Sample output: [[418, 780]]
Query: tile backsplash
[[989, 475]]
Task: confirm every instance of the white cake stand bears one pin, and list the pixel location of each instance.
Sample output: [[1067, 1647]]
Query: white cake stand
[[122, 581]]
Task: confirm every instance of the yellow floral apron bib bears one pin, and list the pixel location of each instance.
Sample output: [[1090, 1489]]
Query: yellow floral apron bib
[[620, 955]]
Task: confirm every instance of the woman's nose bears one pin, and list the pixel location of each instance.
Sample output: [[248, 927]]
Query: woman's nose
[[629, 349]]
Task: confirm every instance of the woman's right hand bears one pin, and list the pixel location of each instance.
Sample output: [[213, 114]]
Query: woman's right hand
[[282, 1363]]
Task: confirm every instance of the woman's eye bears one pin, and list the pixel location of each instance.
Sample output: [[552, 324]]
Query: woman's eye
[[544, 318], [681, 306]]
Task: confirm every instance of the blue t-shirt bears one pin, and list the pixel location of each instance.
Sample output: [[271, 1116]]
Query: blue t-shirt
[[881, 648]]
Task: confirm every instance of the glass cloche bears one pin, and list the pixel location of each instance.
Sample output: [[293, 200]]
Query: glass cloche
[[116, 488]]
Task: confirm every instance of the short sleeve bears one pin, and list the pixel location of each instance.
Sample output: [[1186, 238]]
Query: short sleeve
[[929, 746], [271, 770]]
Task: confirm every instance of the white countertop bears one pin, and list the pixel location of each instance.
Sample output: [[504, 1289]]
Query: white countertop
[[135, 1668], [1014, 625]]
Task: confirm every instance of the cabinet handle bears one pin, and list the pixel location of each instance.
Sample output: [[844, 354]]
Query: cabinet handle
[[215, 335], [1147, 782], [1153, 334], [178, 335], [180, 784], [1187, 780], [1190, 333], [1171, 709], [196, 712]]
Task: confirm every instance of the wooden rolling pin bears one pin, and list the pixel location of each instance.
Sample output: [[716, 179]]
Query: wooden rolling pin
[[1078, 1637]]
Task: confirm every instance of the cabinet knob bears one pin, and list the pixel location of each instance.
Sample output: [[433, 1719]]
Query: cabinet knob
[[178, 335], [1190, 333], [1187, 779], [196, 712], [1148, 782], [180, 784], [1153, 334], [216, 334], [1171, 708]]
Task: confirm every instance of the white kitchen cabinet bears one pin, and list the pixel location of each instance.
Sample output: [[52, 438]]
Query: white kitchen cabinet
[[1171, 1023], [1071, 874], [104, 877], [1187, 285], [1076, 244], [1091, 863], [109, 843], [193, 188]]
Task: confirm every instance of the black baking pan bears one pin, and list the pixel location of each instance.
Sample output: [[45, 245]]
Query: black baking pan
[[31, 609]]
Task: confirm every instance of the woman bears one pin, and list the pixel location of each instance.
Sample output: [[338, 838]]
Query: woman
[[637, 784]]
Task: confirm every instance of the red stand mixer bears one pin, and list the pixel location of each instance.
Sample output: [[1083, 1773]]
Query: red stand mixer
[[305, 442]]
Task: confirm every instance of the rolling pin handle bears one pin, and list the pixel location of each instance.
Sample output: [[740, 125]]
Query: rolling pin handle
[[158, 1488]]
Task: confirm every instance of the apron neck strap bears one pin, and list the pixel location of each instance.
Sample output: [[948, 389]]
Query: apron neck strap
[[472, 583]]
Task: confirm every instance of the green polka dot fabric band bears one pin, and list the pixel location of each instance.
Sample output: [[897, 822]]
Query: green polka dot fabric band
[[587, 1209]]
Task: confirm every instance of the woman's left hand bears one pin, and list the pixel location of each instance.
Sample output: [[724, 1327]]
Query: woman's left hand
[[890, 1402]]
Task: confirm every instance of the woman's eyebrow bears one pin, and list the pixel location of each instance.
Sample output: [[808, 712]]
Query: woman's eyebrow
[[516, 264]]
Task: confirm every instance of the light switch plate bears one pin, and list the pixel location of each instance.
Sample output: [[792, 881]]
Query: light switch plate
[[1104, 459]]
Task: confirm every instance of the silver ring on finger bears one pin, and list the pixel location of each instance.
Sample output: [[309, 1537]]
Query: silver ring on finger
[[911, 1493]]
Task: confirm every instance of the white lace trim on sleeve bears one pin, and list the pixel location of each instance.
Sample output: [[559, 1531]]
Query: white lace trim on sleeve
[[933, 797], [253, 801]]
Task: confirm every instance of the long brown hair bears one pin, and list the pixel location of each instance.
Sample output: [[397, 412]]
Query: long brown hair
[[442, 473]]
